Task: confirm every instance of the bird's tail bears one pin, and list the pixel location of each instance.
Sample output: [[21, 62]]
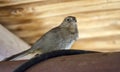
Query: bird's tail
[[21, 54]]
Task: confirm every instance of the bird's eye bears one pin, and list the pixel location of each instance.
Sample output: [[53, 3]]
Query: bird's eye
[[68, 19]]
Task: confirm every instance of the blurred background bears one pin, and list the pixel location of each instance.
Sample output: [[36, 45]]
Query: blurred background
[[25, 21]]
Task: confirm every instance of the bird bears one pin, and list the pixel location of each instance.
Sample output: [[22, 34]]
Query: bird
[[61, 37]]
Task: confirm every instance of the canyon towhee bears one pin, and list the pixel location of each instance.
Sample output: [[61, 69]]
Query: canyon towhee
[[60, 37]]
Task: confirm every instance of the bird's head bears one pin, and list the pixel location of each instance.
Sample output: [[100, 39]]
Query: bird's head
[[69, 21]]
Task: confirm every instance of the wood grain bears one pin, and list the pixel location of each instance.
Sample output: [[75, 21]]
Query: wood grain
[[15, 2], [97, 20]]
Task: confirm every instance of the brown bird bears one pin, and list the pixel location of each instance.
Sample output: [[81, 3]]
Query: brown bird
[[58, 38]]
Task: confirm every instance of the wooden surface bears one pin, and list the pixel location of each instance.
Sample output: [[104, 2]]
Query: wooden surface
[[98, 21], [76, 63], [15, 2]]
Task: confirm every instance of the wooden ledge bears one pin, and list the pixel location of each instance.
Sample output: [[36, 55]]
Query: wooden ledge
[[99, 62]]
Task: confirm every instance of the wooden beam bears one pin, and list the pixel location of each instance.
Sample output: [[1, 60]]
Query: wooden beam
[[97, 62], [97, 19]]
